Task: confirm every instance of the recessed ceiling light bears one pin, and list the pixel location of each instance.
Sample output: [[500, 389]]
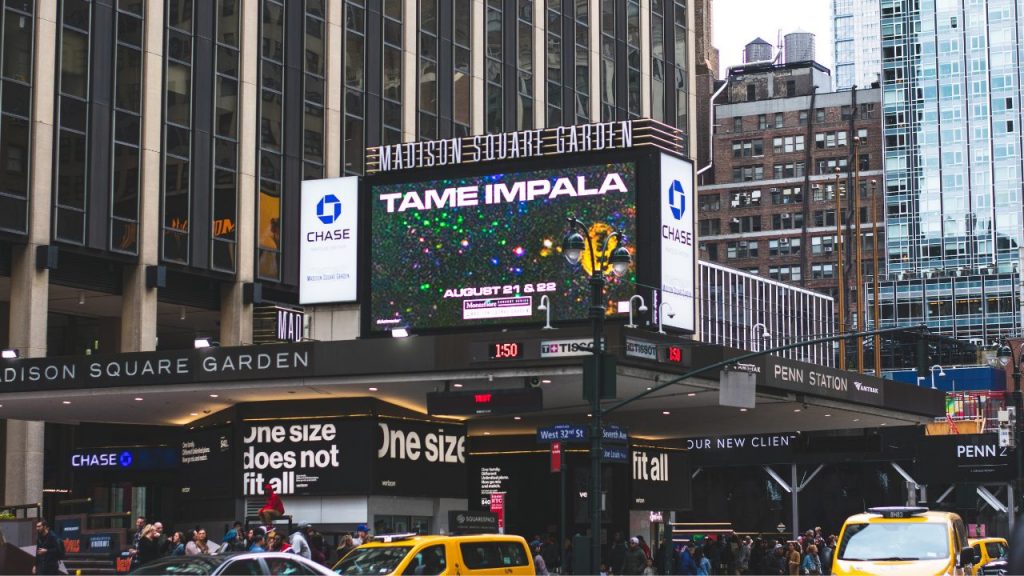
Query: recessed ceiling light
[[138, 399], [856, 419], [796, 409], [828, 415], [883, 423], [590, 415], [67, 402], [193, 414], [214, 395], [517, 417], [373, 388], [665, 412], [650, 388], [692, 394], [487, 433], [456, 385], [545, 381], [743, 409]]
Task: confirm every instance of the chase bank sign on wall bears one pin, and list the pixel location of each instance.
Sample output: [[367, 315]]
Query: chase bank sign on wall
[[678, 210], [329, 239]]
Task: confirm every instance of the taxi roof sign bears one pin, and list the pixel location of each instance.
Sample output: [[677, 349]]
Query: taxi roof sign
[[898, 511]]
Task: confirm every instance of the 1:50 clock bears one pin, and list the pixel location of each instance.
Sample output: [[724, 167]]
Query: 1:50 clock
[[505, 350]]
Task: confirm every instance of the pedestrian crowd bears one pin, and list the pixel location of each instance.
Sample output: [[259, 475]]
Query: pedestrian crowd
[[723, 554]]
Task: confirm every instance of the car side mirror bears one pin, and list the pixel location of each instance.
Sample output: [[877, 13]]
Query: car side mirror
[[967, 556]]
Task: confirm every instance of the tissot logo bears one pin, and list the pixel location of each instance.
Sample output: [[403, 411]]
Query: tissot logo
[[677, 199], [328, 209]]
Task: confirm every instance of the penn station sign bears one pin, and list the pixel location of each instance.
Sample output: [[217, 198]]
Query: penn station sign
[[149, 368], [823, 381]]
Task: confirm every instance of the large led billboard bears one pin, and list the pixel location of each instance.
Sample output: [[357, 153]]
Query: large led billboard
[[482, 250]]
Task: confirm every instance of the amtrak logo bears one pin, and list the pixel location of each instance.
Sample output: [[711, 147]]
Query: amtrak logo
[[677, 199], [328, 209]]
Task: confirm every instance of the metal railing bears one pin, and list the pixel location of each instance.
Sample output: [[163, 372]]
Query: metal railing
[[977, 405]]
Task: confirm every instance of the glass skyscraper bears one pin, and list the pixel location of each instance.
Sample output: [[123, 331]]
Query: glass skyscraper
[[951, 77], [855, 43]]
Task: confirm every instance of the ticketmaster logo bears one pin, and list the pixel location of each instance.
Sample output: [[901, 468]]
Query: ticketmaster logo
[[865, 388]]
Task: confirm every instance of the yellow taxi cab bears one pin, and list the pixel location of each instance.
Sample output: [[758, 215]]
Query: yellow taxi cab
[[903, 540], [987, 550], [482, 554]]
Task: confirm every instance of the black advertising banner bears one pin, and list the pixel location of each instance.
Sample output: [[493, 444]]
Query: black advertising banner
[[751, 449], [306, 457], [420, 459], [660, 480], [964, 458], [207, 463], [822, 381]]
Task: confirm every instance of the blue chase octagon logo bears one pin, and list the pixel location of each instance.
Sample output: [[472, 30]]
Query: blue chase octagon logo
[[677, 199], [328, 209]]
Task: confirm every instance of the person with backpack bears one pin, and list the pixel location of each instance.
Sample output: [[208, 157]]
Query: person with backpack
[[49, 550]]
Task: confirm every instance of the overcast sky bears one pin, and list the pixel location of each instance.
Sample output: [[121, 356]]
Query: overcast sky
[[737, 22]]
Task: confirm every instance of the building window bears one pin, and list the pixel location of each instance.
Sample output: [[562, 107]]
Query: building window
[[824, 218], [823, 271], [791, 195], [681, 60], [788, 170], [355, 84], [608, 75], [751, 92], [819, 116], [124, 206], [829, 165], [737, 124], [803, 117], [427, 70], [555, 80], [780, 120], [709, 203], [787, 221], [743, 224], [740, 249], [762, 121], [784, 273], [73, 102], [824, 193], [784, 247], [790, 88], [16, 86], [788, 144], [710, 227], [271, 151], [827, 140], [177, 200], [747, 148], [633, 58], [225, 137], [747, 173], [524, 65], [822, 245], [745, 198], [658, 65], [462, 99], [391, 105], [582, 65], [313, 116]]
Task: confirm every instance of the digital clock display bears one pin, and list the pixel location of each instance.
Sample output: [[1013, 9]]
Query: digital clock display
[[505, 350], [674, 354]]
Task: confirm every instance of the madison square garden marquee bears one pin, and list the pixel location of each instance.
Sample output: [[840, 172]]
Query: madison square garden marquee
[[467, 233]]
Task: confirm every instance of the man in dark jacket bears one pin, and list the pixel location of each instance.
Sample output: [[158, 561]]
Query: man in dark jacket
[[617, 553], [47, 550], [635, 560]]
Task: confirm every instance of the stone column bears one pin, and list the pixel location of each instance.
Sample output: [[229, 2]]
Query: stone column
[[23, 456], [235, 314], [139, 303]]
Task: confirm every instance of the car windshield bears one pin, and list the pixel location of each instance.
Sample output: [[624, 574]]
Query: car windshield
[[996, 550], [382, 560], [182, 565], [895, 541]]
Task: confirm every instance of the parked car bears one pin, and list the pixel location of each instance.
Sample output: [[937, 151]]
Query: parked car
[[240, 563], [479, 554]]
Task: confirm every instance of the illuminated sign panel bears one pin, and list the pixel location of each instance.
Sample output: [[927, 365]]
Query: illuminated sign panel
[[328, 240], [481, 250], [678, 260]]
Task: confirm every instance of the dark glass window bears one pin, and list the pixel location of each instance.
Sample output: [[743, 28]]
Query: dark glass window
[[524, 65], [355, 69], [582, 65], [658, 60], [223, 234], [125, 182], [270, 179], [493, 101], [608, 64], [462, 99], [16, 85], [427, 95], [313, 127], [177, 131], [392, 74], [70, 163], [553, 55]]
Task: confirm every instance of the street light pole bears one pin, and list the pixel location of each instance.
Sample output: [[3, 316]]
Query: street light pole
[[618, 261]]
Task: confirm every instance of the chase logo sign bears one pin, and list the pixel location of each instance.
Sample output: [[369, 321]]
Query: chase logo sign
[[328, 209], [677, 199]]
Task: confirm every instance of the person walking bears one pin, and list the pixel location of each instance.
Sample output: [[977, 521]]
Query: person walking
[[47, 550], [811, 563], [617, 553], [687, 564], [539, 566], [793, 558], [300, 541], [635, 560], [703, 564]]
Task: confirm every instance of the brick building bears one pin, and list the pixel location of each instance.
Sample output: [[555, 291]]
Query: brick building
[[779, 149]]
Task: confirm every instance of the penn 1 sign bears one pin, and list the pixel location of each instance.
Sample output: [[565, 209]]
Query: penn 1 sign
[[328, 240]]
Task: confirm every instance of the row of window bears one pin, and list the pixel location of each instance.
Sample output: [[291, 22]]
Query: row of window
[[780, 221], [822, 166], [778, 119]]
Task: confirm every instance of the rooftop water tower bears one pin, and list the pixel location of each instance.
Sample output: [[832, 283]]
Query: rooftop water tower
[[758, 50], [799, 46]]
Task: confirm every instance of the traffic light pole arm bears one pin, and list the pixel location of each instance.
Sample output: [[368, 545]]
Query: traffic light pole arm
[[750, 355]]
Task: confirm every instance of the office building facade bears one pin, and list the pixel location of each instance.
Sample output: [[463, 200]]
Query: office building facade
[[856, 45], [951, 77]]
